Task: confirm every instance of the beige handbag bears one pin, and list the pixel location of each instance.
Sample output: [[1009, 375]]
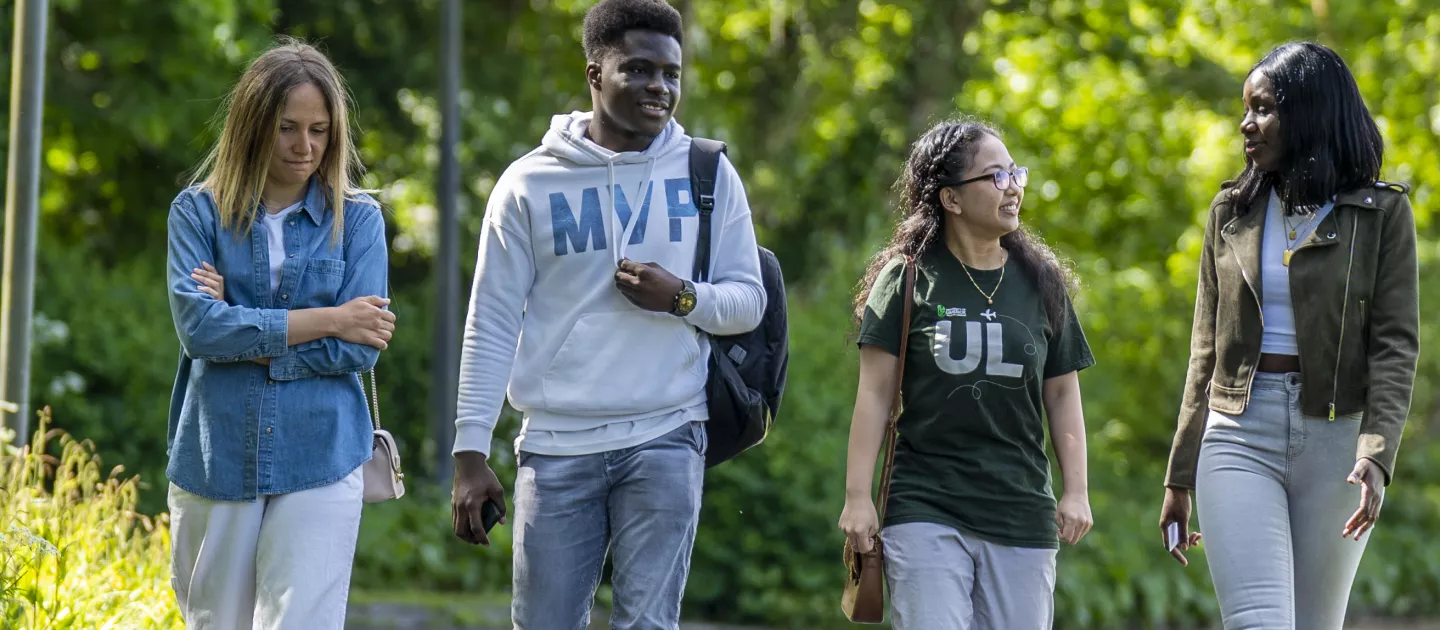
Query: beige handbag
[[383, 479]]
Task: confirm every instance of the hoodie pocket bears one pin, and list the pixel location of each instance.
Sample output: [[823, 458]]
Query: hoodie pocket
[[624, 364]]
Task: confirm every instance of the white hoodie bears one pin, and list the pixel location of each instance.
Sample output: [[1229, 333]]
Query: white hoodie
[[591, 371]]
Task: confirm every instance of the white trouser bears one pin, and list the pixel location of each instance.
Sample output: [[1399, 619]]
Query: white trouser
[[279, 563]]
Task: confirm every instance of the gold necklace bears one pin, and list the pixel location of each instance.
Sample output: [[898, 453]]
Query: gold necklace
[[989, 299], [1289, 228], [1291, 242]]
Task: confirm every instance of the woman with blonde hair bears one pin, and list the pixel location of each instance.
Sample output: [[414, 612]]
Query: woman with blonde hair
[[277, 270]]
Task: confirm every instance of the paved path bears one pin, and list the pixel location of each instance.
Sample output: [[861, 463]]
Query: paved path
[[494, 614], [384, 616]]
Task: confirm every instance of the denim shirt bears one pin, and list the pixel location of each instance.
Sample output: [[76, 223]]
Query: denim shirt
[[239, 429]]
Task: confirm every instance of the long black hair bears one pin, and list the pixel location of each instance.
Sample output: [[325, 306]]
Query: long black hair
[[942, 154], [1331, 143]]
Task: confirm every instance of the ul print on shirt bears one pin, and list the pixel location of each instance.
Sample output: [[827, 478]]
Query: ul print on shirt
[[983, 340]]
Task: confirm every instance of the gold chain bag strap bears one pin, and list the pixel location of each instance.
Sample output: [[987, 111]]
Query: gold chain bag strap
[[383, 479], [863, 600]]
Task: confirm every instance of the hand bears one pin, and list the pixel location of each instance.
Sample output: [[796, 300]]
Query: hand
[[211, 283], [648, 285], [1176, 509], [1073, 517], [474, 483], [364, 320], [860, 523], [1370, 478]]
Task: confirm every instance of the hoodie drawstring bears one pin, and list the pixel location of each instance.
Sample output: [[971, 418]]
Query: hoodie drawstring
[[636, 202], [610, 210]]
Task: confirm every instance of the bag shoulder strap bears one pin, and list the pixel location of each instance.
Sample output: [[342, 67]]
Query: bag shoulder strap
[[373, 398], [704, 170], [892, 427]]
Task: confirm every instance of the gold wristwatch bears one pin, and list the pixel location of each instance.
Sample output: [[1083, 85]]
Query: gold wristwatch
[[684, 300]]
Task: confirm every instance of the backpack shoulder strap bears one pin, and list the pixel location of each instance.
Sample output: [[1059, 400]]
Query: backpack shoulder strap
[[704, 170]]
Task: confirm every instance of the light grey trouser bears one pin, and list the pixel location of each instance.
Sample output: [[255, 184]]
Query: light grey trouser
[[940, 579], [1273, 500]]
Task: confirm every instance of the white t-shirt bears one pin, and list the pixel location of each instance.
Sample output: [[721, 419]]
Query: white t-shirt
[[275, 227]]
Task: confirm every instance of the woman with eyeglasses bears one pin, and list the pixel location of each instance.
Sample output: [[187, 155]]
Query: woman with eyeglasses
[[1302, 355], [971, 529]]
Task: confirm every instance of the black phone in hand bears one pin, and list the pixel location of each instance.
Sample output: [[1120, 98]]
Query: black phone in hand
[[489, 515]]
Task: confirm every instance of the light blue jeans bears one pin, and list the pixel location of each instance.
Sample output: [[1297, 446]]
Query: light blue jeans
[[641, 503], [1273, 499]]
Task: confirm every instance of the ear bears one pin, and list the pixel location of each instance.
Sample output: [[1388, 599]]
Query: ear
[[950, 200], [592, 74]]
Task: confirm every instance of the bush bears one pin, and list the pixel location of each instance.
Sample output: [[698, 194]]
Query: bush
[[408, 543], [106, 353], [75, 553], [768, 550], [105, 356]]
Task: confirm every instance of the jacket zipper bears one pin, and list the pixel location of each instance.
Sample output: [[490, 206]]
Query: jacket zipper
[[1344, 306], [1260, 309]]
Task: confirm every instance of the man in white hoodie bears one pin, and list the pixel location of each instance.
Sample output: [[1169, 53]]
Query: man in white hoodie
[[604, 355]]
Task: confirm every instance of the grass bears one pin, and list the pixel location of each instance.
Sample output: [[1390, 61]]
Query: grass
[[75, 555], [75, 552]]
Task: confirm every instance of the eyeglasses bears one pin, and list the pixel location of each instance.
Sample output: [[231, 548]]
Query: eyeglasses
[[1003, 179]]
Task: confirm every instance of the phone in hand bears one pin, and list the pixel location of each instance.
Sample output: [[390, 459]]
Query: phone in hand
[[489, 515], [1172, 536]]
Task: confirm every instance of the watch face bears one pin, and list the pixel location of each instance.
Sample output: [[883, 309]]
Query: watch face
[[686, 303]]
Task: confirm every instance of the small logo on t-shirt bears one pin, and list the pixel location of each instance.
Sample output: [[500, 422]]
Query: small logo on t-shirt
[[943, 312]]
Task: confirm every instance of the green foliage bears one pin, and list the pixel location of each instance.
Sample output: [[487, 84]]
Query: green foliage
[[1125, 112], [105, 354], [768, 548], [409, 543], [73, 551]]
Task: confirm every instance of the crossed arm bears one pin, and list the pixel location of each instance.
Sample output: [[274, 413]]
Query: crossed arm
[[293, 343]]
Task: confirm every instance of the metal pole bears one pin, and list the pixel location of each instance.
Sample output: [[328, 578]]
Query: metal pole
[[22, 195], [447, 257]]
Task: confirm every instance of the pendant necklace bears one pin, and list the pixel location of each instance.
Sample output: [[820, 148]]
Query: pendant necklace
[[989, 298]]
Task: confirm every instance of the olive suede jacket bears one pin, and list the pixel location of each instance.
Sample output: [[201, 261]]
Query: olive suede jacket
[[1354, 291]]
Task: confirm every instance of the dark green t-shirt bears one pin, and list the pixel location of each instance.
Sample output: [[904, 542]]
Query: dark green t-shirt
[[971, 453]]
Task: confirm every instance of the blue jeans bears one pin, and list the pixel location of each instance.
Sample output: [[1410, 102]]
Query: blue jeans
[[1273, 500], [641, 502]]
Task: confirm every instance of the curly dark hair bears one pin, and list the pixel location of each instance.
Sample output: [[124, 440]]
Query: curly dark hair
[[607, 22], [1331, 142], [942, 154]]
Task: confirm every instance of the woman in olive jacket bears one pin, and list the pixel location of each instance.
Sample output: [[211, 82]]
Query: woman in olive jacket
[[1302, 355]]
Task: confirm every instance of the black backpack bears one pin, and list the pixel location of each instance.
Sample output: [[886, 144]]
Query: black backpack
[[747, 371]]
